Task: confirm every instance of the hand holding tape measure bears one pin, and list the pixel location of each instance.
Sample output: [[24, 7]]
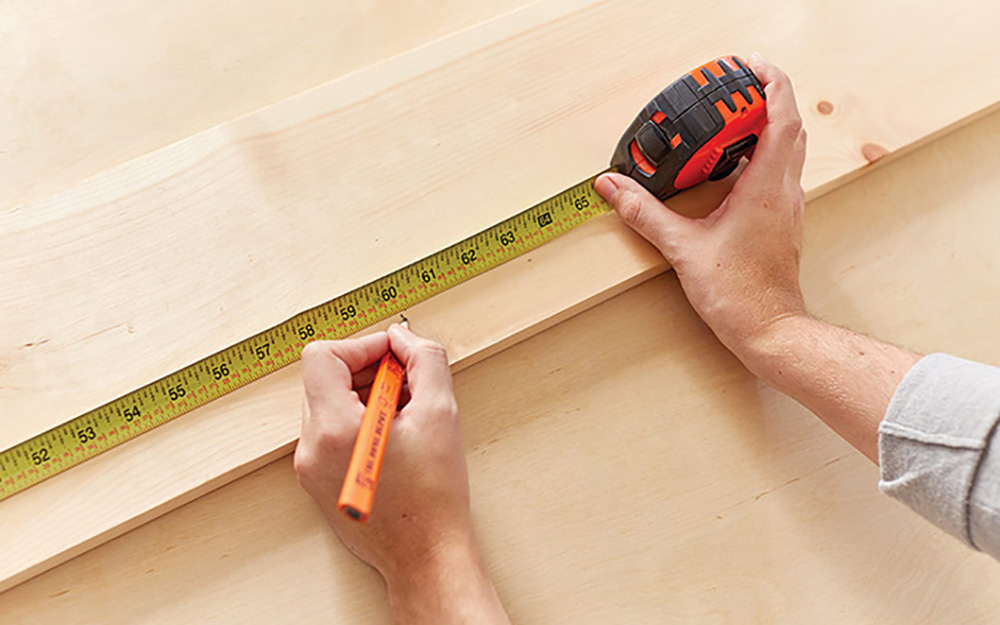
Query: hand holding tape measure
[[697, 128]]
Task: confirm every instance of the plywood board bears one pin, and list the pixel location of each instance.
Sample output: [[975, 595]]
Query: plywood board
[[705, 497], [174, 255]]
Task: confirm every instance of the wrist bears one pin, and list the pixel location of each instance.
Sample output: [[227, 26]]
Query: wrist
[[449, 585], [771, 341], [743, 320]]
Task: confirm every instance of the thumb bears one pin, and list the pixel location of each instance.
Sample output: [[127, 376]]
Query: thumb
[[426, 363], [641, 210]]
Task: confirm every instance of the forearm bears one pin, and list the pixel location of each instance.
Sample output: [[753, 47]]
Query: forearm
[[846, 378], [450, 588]]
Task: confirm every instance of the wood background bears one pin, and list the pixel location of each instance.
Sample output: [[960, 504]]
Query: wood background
[[148, 266], [611, 543], [635, 472]]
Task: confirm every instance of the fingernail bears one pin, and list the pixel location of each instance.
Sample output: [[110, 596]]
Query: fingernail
[[757, 57], [605, 185]]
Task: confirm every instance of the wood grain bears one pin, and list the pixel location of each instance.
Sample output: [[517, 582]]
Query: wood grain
[[142, 270], [88, 85], [704, 497]]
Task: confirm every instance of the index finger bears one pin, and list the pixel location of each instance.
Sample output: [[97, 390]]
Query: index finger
[[426, 362], [327, 366]]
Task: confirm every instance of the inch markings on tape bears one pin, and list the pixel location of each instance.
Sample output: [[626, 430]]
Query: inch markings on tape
[[154, 404]]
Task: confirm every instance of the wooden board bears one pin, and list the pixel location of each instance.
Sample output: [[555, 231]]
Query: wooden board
[[91, 84], [179, 253], [746, 509]]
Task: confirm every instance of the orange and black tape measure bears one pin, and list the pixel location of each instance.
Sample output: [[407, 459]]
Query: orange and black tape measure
[[698, 128]]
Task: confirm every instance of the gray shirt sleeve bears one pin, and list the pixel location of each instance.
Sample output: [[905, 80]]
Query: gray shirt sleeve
[[939, 448]]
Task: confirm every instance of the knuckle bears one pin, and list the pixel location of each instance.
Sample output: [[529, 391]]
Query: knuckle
[[791, 128], [432, 350], [630, 207], [779, 78], [797, 196], [443, 405], [303, 463], [313, 351], [332, 437], [439, 406]]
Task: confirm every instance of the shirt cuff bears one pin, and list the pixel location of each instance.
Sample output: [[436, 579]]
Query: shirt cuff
[[934, 437]]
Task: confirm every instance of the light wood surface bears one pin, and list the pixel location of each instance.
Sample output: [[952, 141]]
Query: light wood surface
[[626, 469], [176, 254], [91, 84]]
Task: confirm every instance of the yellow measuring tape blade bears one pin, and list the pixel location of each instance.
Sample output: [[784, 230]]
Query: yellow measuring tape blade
[[154, 404]]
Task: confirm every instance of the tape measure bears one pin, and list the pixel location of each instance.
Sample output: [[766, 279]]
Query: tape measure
[[696, 128], [169, 397]]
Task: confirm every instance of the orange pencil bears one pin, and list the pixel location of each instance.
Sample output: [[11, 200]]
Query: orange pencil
[[358, 492]]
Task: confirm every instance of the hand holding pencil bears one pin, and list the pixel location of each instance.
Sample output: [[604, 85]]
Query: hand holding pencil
[[422, 505]]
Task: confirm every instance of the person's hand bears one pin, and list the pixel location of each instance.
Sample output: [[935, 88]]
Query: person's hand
[[739, 266], [420, 535]]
